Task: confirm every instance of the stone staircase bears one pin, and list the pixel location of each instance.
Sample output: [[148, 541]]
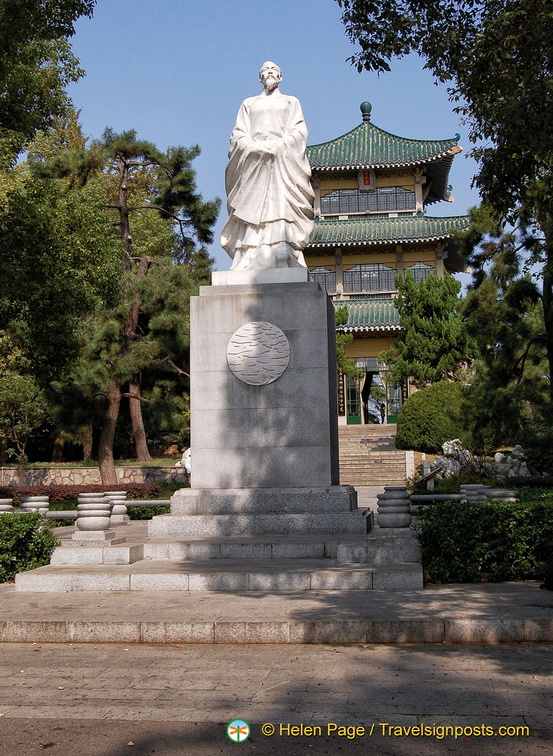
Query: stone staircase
[[368, 456], [385, 559]]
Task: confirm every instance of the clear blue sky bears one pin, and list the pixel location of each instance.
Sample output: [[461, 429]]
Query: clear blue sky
[[176, 71]]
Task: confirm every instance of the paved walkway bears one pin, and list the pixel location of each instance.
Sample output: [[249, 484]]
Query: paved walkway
[[110, 700]]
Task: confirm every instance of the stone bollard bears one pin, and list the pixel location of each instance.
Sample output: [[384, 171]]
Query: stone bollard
[[393, 508], [6, 506], [93, 520], [34, 504], [119, 515], [473, 493], [502, 494]]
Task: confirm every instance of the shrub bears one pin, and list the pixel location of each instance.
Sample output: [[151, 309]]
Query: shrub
[[485, 542], [27, 542], [62, 493], [431, 416], [146, 513]]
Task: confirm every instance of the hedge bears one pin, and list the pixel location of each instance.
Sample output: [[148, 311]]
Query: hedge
[[63, 492], [485, 542], [27, 542]]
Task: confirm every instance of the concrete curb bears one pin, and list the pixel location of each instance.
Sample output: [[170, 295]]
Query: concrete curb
[[343, 632]]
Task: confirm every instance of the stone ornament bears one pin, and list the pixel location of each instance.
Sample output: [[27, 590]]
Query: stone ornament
[[393, 508], [258, 353], [34, 504], [93, 512], [268, 181]]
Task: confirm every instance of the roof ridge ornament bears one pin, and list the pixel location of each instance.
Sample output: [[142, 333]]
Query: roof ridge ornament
[[366, 108]]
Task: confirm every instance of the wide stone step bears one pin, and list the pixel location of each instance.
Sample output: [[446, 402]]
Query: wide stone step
[[274, 575], [262, 547], [323, 523]]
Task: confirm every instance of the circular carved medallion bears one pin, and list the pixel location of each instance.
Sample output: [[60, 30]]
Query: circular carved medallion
[[258, 353]]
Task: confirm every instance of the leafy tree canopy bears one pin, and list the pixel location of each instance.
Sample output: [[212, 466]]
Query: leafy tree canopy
[[497, 57], [36, 64]]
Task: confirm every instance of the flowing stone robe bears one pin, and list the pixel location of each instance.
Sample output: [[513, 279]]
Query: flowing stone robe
[[270, 198]]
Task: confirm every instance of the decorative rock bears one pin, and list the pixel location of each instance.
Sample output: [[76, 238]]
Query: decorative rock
[[394, 508], [524, 471], [499, 458]]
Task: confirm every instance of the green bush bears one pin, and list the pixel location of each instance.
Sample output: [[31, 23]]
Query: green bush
[[146, 513], [431, 416], [485, 542], [27, 542]]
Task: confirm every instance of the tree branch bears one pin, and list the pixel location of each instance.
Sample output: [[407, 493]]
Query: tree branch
[[170, 362]]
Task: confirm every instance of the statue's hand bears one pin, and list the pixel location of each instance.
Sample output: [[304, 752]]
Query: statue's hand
[[269, 146]]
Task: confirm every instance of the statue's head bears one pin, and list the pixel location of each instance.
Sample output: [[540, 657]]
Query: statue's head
[[270, 75]]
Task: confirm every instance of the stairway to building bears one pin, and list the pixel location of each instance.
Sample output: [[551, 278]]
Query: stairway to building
[[368, 456]]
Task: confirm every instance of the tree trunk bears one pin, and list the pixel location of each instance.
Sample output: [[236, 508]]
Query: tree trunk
[[140, 443], [547, 303], [87, 442], [57, 451], [107, 435]]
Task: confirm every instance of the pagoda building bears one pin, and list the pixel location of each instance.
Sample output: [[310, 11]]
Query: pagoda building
[[372, 190]]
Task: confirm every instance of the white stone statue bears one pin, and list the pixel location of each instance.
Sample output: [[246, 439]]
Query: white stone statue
[[268, 181], [185, 461]]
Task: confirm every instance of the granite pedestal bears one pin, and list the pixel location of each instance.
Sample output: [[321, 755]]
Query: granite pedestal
[[263, 412]]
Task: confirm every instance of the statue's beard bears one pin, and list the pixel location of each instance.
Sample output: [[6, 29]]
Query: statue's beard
[[271, 82]]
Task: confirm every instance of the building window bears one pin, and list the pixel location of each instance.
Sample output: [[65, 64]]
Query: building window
[[421, 271], [325, 277], [374, 277], [384, 199]]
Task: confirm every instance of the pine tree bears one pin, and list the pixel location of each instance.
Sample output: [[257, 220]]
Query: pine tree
[[433, 343], [160, 219]]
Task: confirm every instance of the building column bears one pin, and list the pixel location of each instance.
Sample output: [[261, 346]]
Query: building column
[[339, 273], [400, 267], [441, 254]]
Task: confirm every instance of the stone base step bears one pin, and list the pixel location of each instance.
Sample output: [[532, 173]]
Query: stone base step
[[274, 575], [381, 546], [199, 548], [322, 523]]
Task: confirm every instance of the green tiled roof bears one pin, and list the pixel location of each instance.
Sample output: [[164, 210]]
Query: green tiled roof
[[369, 315], [367, 231], [367, 146]]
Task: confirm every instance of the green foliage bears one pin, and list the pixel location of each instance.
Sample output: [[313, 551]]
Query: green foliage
[[508, 399], [431, 416], [497, 58], [345, 364], [36, 64], [485, 542], [23, 410], [58, 265], [433, 343], [27, 542], [146, 513]]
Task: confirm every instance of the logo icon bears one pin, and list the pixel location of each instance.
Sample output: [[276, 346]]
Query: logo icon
[[238, 730]]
